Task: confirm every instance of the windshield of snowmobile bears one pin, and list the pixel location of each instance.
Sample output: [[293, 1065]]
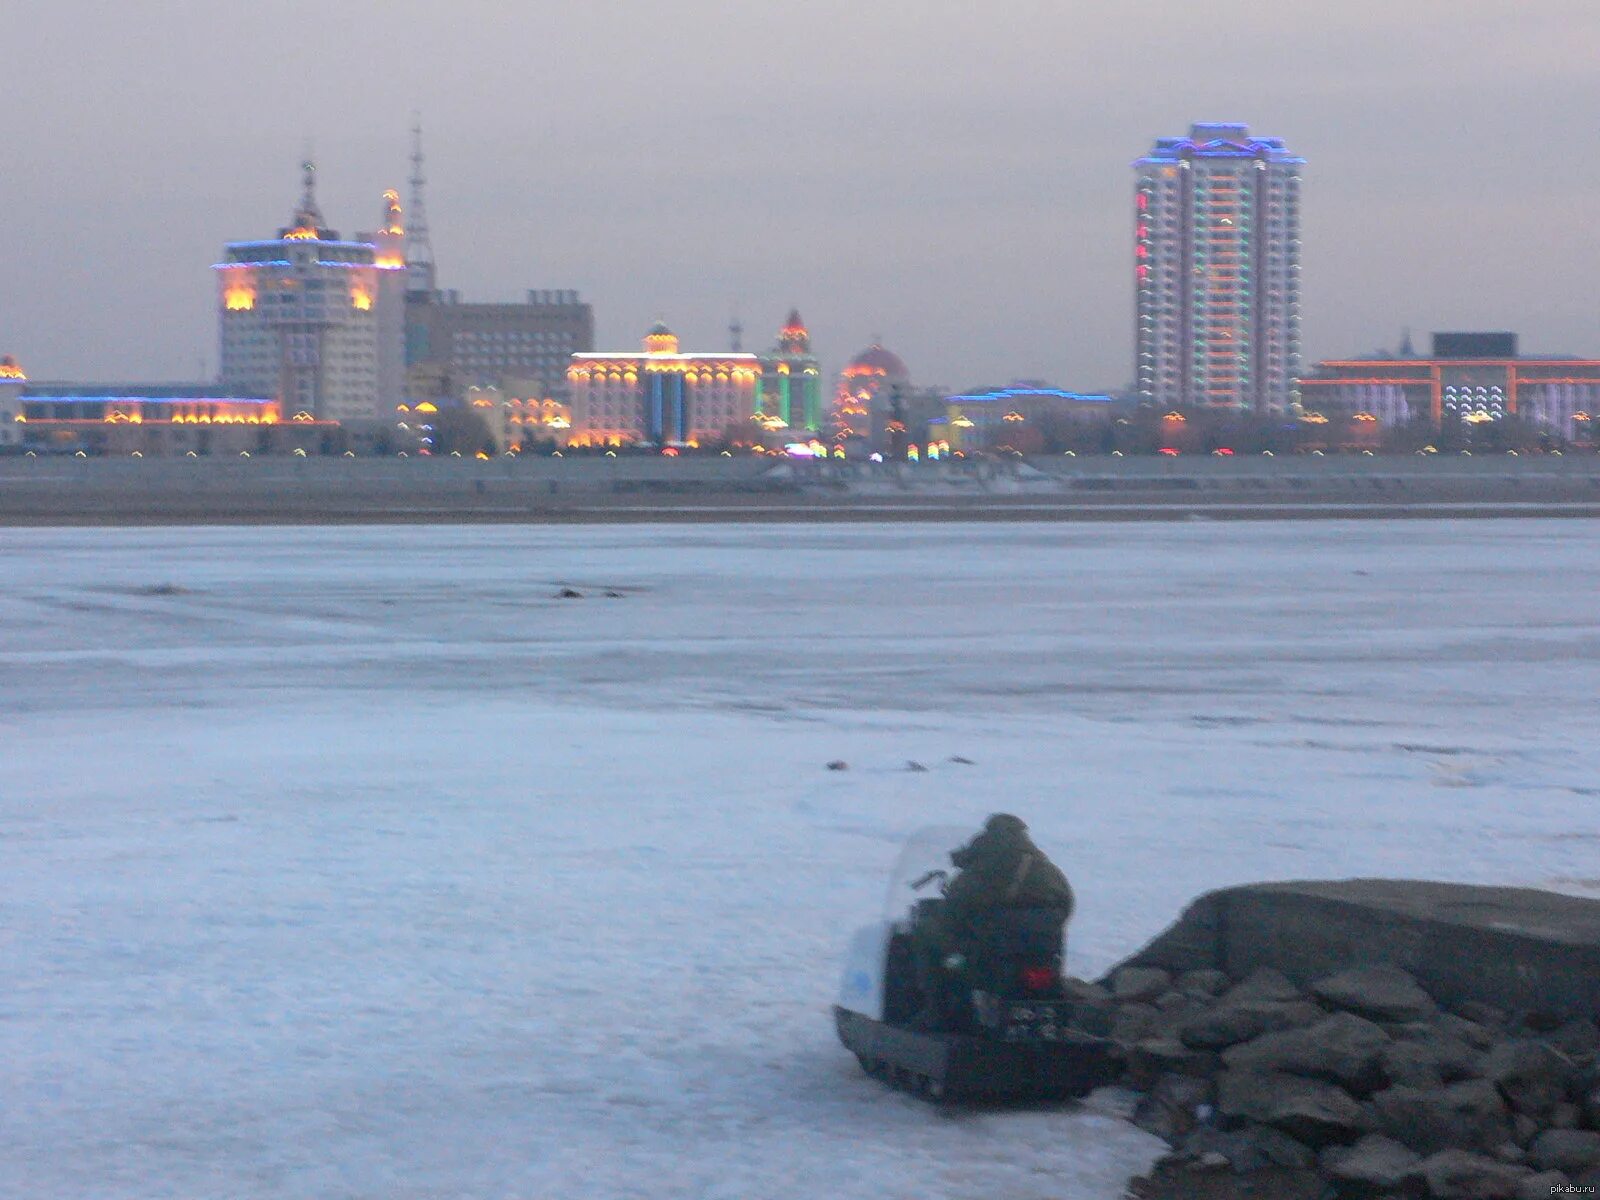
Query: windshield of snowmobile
[[926, 850]]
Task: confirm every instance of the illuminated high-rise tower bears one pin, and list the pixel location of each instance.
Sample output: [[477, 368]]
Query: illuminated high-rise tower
[[314, 321], [1217, 271]]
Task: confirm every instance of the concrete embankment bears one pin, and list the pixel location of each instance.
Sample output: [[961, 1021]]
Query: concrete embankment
[[71, 491]]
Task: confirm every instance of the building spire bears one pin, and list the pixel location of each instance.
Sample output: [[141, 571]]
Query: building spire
[[419, 250], [308, 196], [735, 333]]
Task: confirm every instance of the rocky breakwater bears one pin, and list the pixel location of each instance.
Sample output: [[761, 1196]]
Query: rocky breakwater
[[1359, 1084]]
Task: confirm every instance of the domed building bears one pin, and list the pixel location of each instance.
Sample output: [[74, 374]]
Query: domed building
[[862, 404]]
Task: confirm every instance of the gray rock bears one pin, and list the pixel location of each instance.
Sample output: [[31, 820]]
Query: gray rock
[[1578, 1039], [1134, 1021], [1510, 1152], [1459, 1175], [1482, 1014], [1374, 1163], [1252, 1148], [1133, 985], [1471, 1033], [1468, 1115], [1170, 1110], [1230, 1023], [1342, 1049], [1264, 983], [1532, 1076], [1523, 1129], [1432, 1054], [1568, 1150], [1309, 1110], [1093, 1009], [1150, 1059], [1203, 982], [1590, 1109], [1410, 1064], [1172, 1001], [1380, 993], [1565, 1116], [1541, 1186]]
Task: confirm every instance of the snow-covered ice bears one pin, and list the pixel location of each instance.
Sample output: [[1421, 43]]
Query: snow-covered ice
[[350, 862]]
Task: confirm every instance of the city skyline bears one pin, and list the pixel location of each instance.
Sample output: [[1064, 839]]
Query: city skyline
[[967, 197]]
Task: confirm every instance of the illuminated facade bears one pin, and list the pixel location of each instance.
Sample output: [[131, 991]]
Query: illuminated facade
[[12, 381], [790, 395], [316, 322], [1217, 271], [864, 402], [662, 396], [157, 419], [1016, 417], [1471, 378]]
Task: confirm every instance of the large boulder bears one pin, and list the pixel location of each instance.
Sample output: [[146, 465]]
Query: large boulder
[[1459, 1175], [1263, 983], [1310, 1110], [1343, 1049], [1374, 1164], [1429, 1057], [1207, 982], [1569, 1150], [1467, 1115], [1250, 1149], [1232, 1022], [1381, 992], [1151, 1058], [1532, 1076], [1139, 984]]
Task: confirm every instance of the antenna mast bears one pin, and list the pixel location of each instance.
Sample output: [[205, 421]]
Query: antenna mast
[[419, 250]]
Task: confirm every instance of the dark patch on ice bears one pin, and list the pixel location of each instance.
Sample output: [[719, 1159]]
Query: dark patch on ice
[[1423, 748], [1207, 720], [161, 589]]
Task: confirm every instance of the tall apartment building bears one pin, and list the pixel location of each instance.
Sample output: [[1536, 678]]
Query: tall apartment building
[[1217, 271], [313, 321]]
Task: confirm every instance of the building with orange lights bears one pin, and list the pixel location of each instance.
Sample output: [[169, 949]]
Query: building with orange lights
[[864, 402], [1469, 377], [1217, 271], [1020, 417], [12, 383], [160, 419], [790, 384], [662, 396], [316, 322]]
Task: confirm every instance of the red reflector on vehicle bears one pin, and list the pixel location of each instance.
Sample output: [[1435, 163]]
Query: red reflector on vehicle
[[1038, 979]]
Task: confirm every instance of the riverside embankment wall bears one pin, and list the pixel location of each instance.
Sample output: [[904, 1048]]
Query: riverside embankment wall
[[99, 490]]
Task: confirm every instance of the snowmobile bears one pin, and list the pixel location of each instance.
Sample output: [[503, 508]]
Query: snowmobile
[[1005, 1026]]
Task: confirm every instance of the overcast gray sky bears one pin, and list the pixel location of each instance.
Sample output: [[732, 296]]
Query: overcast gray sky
[[952, 175]]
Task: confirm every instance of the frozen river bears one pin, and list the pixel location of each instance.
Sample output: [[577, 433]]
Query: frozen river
[[352, 862]]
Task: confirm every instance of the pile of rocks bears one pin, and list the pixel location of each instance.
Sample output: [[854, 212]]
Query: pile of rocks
[[1360, 1080]]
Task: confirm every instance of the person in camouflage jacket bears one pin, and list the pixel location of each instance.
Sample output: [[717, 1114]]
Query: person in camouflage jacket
[[1000, 868]]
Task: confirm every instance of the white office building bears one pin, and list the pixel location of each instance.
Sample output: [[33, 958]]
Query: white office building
[[317, 322]]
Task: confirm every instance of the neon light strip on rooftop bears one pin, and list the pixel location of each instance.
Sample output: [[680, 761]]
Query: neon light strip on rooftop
[[29, 398]]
